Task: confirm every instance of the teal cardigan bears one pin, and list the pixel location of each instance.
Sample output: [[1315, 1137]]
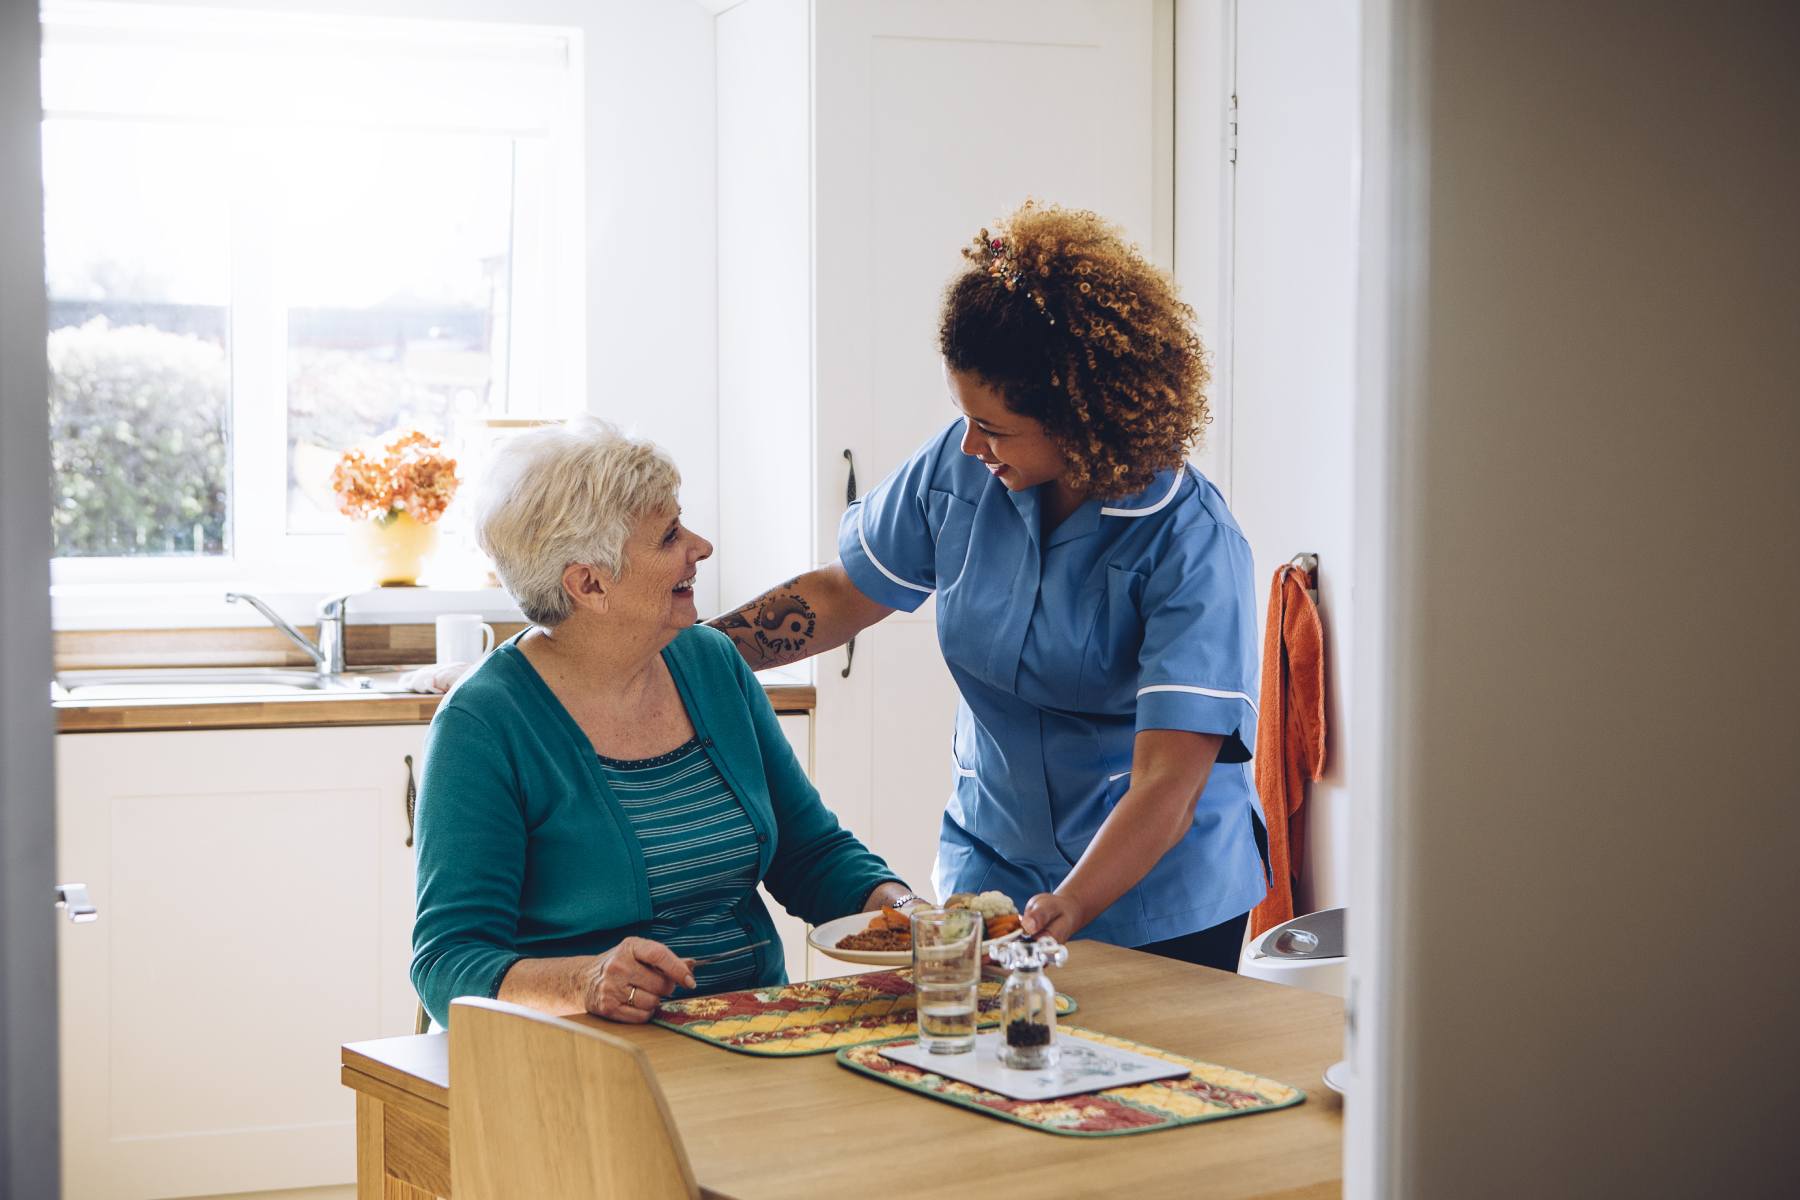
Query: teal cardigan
[[524, 852]]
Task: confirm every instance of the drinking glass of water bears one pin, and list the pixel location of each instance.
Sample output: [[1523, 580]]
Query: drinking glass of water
[[946, 952]]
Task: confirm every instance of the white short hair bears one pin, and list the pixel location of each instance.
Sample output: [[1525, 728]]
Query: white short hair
[[564, 494]]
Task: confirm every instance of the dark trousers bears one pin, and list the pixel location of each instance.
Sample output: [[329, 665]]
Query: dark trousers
[[1217, 947]]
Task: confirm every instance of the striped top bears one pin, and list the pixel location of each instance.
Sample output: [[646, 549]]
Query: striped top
[[700, 852]]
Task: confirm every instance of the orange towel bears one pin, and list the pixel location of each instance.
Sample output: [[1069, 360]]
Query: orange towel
[[1290, 734]]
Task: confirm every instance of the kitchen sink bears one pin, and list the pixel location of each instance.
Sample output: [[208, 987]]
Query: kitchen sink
[[219, 683]]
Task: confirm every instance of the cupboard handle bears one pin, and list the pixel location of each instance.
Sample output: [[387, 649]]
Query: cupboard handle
[[72, 898], [412, 799], [849, 499]]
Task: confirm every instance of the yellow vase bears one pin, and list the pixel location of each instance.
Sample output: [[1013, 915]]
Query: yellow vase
[[395, 549]]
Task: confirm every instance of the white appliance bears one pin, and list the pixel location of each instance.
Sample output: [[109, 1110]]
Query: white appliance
[[1306, 952]]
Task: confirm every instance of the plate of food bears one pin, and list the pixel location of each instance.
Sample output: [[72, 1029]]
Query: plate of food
[[884, 938]]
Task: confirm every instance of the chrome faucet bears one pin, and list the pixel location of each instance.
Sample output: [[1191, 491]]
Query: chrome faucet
[[328, 655]]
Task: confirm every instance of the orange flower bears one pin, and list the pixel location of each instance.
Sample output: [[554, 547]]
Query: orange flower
[[412, 474]]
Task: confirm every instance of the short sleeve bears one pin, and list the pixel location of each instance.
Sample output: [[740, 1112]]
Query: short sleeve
[[885, 539], [1198, 666]]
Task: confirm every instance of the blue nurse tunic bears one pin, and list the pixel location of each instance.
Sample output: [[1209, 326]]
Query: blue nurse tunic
[[1132, 614]]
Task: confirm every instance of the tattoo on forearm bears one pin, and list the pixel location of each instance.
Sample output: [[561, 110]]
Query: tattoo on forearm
[[774, 628]]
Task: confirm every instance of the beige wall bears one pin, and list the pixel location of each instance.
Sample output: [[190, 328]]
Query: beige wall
[[1595, 552], [28, 1083]]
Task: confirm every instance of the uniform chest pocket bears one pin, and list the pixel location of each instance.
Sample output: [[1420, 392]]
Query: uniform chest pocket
[[1109, 663]]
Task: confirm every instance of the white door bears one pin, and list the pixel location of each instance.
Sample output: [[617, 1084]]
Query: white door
[[256, 895], [931, 120], [384, 751], [1293, 327]]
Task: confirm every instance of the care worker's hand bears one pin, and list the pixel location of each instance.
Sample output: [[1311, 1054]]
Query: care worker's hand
[[1054, 914], [628, 982]]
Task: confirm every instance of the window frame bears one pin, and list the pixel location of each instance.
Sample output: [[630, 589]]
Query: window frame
[[547, 318]]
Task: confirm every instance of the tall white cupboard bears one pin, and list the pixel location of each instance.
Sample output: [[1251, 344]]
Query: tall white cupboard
[[861, 145]]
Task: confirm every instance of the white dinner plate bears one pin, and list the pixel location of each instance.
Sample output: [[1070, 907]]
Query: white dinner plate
[[824, 938], [1337, 1076]]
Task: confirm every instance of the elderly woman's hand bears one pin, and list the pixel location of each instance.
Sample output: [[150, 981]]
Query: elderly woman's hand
[[628, 982]]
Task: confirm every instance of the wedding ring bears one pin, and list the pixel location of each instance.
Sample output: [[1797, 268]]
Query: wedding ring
[[629, 996]]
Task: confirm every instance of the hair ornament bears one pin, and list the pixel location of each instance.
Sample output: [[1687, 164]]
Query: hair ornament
[[1002, 262]]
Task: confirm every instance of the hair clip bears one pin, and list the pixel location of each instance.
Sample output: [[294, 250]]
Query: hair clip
[[1004, 266]]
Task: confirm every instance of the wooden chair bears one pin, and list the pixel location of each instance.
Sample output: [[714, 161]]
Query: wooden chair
[[550, 1109]]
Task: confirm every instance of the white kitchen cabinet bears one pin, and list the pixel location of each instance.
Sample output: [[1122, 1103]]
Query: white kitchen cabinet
[[255, 892], [861, 146], [256, 902]]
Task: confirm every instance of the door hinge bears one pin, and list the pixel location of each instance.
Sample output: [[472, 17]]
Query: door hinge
[[1231, 131]]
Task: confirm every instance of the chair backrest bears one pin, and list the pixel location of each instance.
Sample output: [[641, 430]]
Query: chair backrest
[[550, 1109]]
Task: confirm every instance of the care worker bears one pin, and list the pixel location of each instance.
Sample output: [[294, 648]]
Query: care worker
[[1093, 599]]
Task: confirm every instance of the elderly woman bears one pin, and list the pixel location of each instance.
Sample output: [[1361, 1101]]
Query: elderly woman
[[602, 795]]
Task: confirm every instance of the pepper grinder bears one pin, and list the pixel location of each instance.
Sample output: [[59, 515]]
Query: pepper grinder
[[1028, 1002]]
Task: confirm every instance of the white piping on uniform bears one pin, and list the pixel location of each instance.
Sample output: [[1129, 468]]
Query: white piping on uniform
[[1200, 691], [1157, 507], [961, 771], [871, 556]]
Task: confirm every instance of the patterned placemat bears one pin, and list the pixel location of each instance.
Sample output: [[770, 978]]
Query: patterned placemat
[[1210, 1093], [819, 1015]]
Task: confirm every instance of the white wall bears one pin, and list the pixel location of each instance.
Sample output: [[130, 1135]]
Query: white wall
[[765, 296], [1203, 50], [1590, 260], [1281, 443], [652, 234]]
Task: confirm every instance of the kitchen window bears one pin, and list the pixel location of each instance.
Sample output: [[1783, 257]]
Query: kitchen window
[[271, 237]]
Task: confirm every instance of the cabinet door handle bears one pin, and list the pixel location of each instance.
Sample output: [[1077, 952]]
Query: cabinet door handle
[[412, 799], [849, 499], [72, 898]]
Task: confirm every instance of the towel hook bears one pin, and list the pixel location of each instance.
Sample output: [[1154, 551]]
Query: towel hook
[[1308, 562]]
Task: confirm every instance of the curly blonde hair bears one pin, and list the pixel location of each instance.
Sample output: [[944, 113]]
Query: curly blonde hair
[[1076, 330]]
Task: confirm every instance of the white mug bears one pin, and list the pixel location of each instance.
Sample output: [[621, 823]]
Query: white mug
[[463, 637]]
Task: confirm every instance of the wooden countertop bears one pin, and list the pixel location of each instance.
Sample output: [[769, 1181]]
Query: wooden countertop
[[293, 712], [806, 1127]]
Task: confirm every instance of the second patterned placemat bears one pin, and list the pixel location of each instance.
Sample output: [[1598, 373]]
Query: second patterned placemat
[[1208, 1093]]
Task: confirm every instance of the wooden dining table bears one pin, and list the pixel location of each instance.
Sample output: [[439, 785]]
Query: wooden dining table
[[804, 1126]]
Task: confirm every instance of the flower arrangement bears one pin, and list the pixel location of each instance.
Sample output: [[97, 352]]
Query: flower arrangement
[[410, 474]]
